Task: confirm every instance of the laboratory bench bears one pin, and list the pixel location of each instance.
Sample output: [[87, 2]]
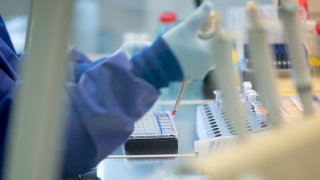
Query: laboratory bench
[[120, 165], [117, 166]]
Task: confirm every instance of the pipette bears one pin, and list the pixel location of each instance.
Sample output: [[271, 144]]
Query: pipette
[[289, 13], [209, 28], [207, 31], [183, 88], [261, 59]]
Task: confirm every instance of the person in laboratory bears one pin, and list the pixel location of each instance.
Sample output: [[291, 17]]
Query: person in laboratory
[[106, 98]]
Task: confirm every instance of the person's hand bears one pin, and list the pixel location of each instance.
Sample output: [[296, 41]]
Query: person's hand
[[131, 47], [194, 54]]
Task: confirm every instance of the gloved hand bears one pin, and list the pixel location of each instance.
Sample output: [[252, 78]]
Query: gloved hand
[[194, 54], [131, 47]]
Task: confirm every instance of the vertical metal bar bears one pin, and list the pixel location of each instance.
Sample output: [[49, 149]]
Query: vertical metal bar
[[29, 27], [301, 73], [37, 127], [221, 47], [261, 59]]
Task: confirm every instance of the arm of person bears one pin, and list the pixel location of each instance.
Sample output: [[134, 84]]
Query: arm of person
[[113, 94], [79, 62], [108, 99]]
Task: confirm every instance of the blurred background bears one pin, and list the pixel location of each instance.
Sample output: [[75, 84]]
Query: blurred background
[[100, 26]]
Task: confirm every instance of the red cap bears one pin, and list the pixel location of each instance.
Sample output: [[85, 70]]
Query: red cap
[[168, 17], [318, 28], [304, 4]]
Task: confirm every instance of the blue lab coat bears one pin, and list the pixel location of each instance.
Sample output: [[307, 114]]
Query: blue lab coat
[[103, 99]]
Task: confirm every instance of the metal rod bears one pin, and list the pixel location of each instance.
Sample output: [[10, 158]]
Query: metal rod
[[29, 27], [151, 156], [289, 13], [36, 128], [261, 58], [221, 47]]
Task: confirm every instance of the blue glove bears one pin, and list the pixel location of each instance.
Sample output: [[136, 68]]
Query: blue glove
[[193, 54]]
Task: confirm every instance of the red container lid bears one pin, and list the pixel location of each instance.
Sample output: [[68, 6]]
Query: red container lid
[[318, 28], [304, 4], [168, 17]]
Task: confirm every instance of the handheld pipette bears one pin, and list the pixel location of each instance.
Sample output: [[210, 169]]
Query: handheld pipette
[[207, 31], [209, 28], [183, 88]]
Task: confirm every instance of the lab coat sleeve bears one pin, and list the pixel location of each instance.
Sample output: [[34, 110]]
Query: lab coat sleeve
[[157, 64], [6, 93], [78, 63], [103, 106]]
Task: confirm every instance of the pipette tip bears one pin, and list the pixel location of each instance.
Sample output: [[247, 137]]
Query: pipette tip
[[174, 112]]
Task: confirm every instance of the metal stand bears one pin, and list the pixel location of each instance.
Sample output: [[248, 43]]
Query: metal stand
[[36, 128]]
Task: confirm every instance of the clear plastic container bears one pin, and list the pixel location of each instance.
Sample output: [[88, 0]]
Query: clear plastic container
[[168, 20]]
